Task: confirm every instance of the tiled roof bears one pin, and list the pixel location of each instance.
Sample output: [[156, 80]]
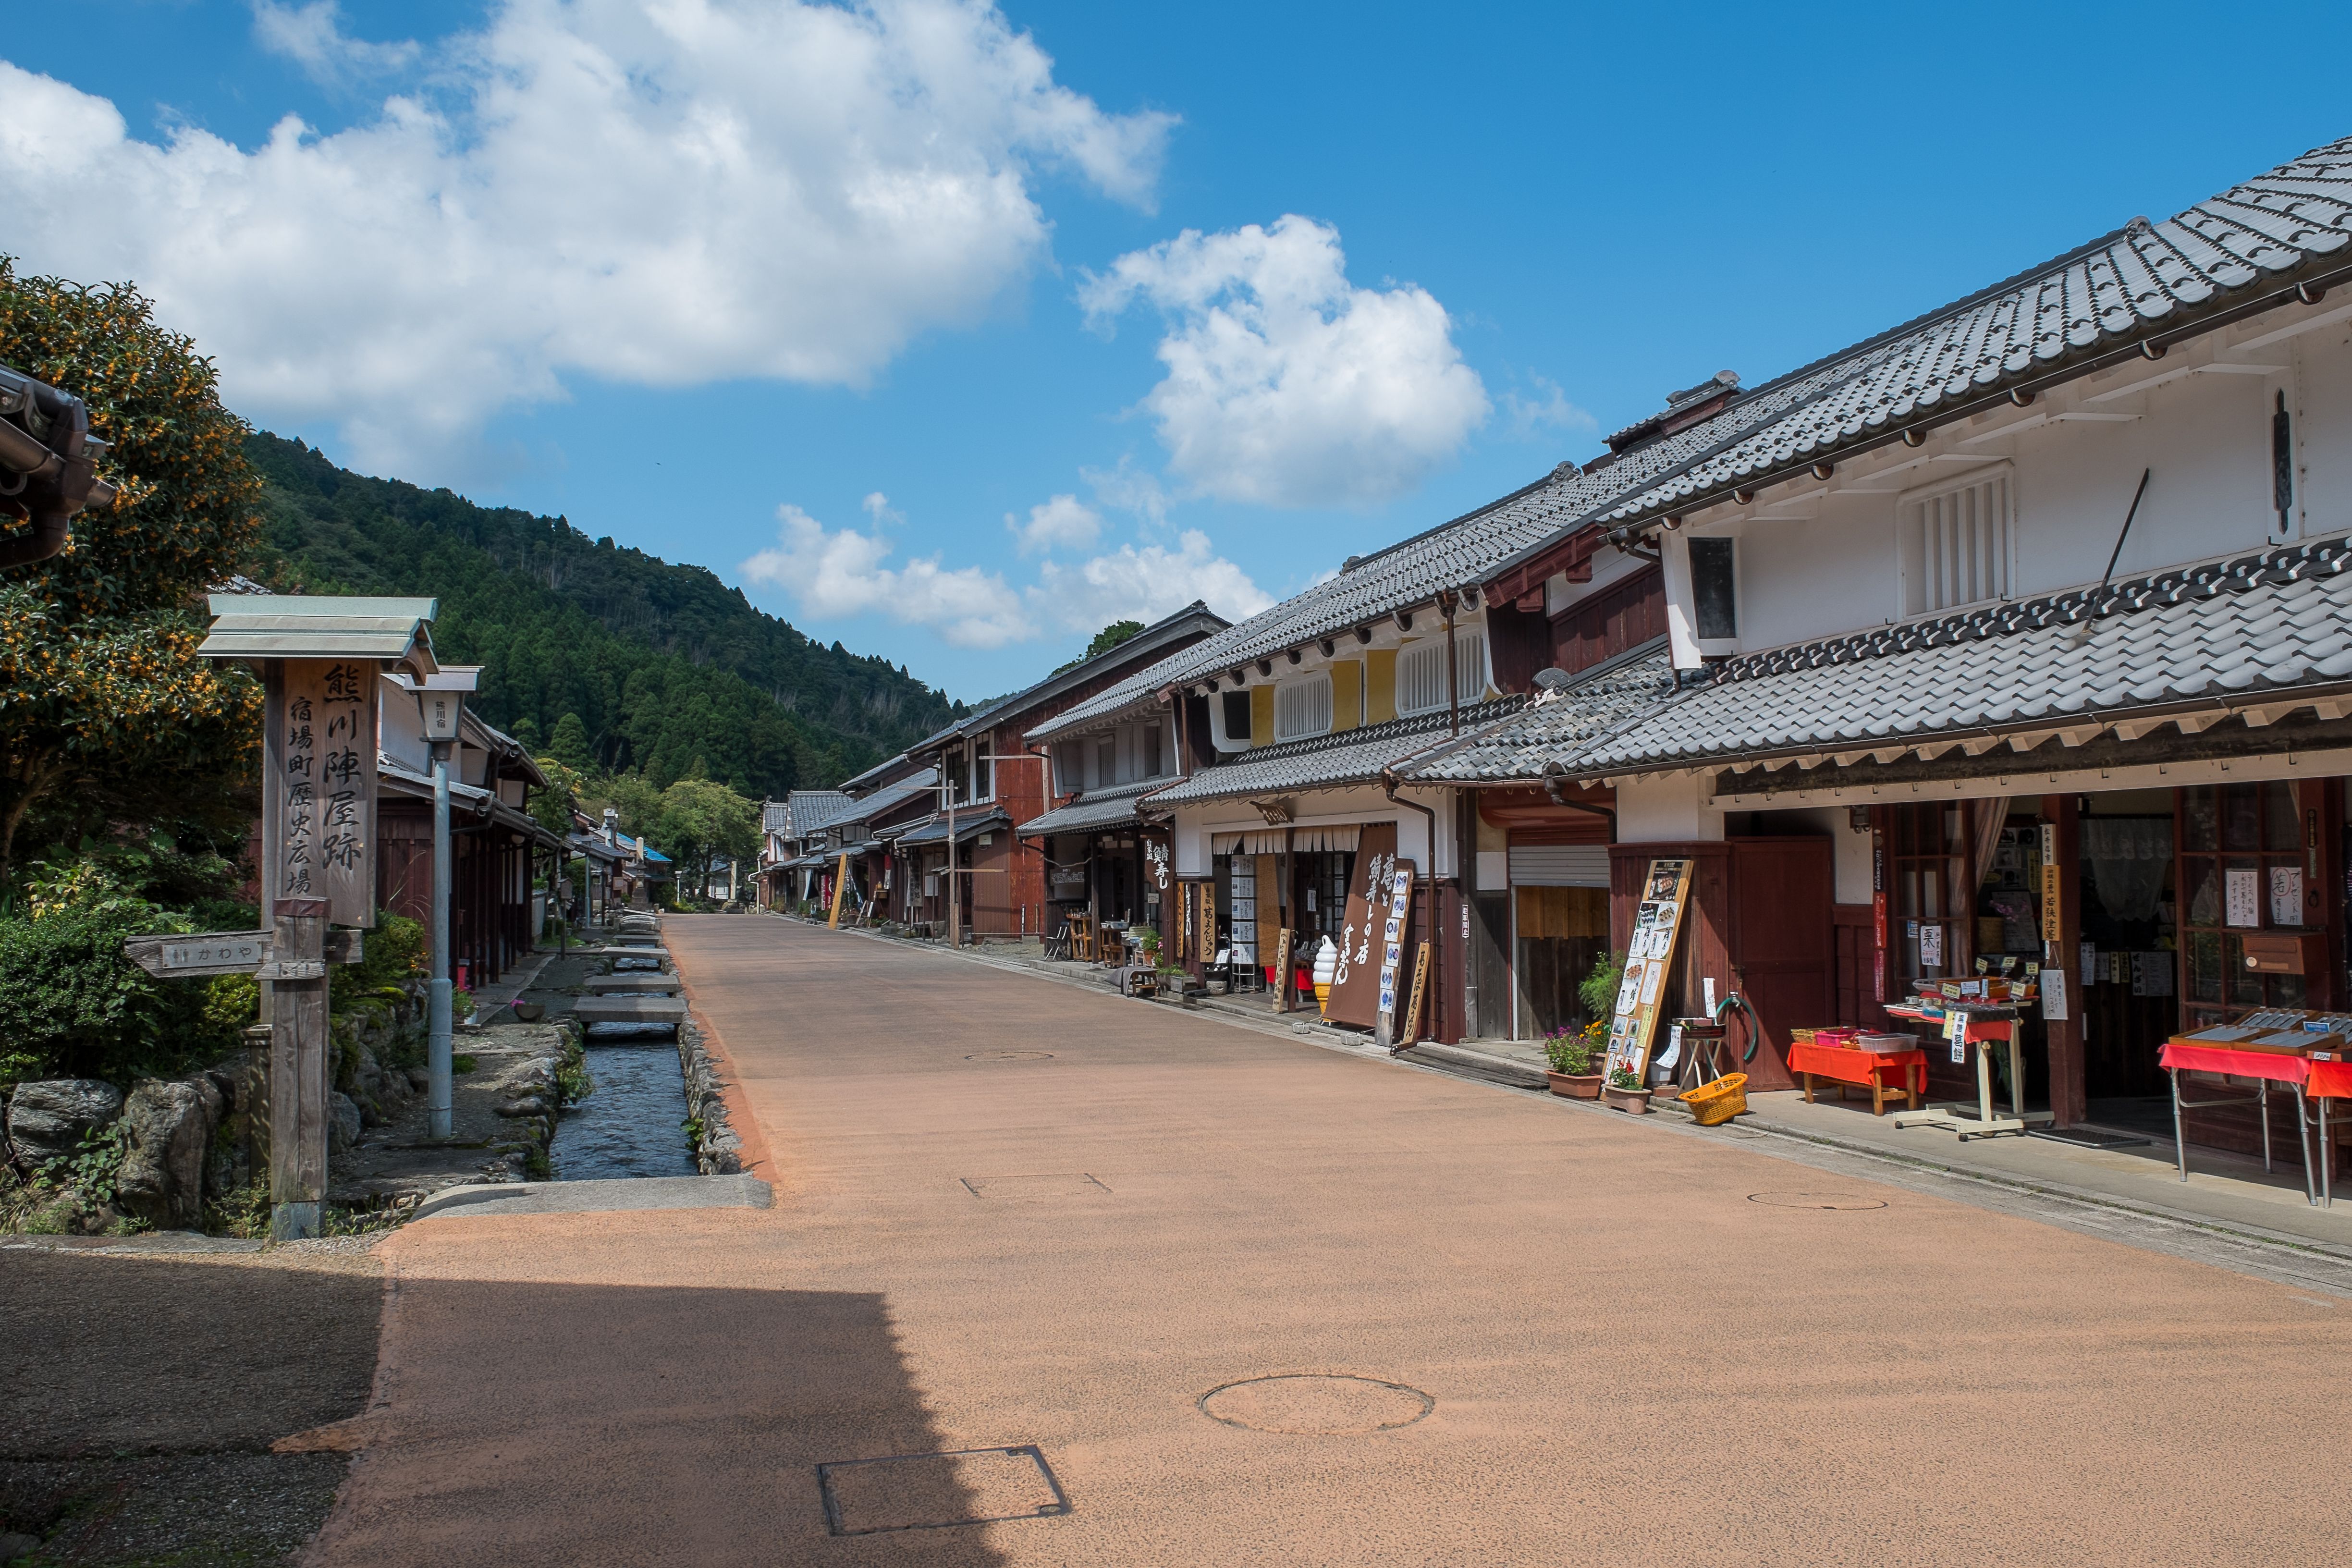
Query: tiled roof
[[1466, 551], [1327, 761], [775, 816], [1554, 727], [1094, 811], [1193, 617], [2145, 280], [2233, 631], [866, 808], [814, 808], [934, 830]]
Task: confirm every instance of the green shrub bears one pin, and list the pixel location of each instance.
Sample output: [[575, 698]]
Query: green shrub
[[393, 952], [1598, 990], [72, 1006]]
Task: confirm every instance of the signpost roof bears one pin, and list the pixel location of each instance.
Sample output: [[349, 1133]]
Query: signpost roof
[[323, 626]]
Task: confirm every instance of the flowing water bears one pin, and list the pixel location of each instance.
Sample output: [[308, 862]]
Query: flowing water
[[632, 1126]]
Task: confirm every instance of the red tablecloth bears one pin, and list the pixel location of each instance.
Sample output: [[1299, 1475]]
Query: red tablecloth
[[2331, 1080], [1861, 1066], [2239, 1064]]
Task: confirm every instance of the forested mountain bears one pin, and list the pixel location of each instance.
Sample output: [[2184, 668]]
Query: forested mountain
[[663, 664]]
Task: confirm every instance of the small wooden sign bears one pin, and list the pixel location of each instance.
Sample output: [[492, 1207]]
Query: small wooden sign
[[1282, 969], [204, 954], [1411, 1030]]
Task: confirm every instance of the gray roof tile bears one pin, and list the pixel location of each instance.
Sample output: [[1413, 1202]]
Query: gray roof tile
[[1327, 761], [1556, 725], [2278, 620], [1094, 811]]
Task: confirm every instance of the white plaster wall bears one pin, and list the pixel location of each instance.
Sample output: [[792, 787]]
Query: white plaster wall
[[1827, 565], [1194, 825], [1609, 564], [1667, 808]]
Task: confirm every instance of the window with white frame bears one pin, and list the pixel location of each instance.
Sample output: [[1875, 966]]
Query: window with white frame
[[1302, 707], [1956, 543], [1420, 672]]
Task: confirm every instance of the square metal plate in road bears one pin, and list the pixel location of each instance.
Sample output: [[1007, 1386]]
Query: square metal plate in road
[[933, 1491], [1040, 1185]]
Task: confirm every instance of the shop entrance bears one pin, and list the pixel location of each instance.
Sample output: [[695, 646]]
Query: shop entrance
[[2129, 961]]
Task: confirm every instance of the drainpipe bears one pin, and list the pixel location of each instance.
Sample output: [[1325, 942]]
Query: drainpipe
[[1554, 786], [1436, 926]]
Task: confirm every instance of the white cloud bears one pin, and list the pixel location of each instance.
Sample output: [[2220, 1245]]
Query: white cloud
[[1145, 584], [835, 575], [1061, 520], [312, 36], [661, 193], [1130, 489], [1548, 410], [1287, 386]]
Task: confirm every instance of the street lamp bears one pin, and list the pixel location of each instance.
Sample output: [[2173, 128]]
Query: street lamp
[[441, 698]]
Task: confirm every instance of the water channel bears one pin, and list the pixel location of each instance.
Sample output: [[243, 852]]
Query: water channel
[[632, 1125]]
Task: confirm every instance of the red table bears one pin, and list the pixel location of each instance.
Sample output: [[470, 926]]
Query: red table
[[2328, 1081], [1867, 1069], [2266, 1068]]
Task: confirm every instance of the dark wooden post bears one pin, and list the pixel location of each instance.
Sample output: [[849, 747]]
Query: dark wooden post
[[2068, 1093], [297, 975]]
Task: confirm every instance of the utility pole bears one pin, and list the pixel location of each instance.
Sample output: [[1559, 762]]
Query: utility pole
[[955, 890]]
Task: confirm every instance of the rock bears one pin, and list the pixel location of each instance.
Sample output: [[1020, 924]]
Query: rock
[[48, 1119], [528, 1105], [419, 1080], [342, 1122], [170, 1128], [14, 1546]]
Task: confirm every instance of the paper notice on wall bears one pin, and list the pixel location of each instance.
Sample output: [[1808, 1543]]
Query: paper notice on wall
[[2090, 963], [2241, 890], [2286, 895], [1651, 979], [2053, 996], [1707, 989], [1931, 945]]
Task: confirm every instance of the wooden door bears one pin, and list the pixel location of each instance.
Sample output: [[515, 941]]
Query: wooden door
[[1782, 950]]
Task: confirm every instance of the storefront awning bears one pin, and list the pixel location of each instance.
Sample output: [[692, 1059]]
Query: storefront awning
[[1341, 837], [967, 828]]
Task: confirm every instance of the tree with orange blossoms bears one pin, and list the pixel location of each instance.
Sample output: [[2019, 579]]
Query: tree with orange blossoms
[[107, 713]]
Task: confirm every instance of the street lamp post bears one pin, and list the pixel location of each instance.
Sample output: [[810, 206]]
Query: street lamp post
[[442, 700]]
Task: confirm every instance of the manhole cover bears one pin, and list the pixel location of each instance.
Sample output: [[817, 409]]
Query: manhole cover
[[1010, 1057], [1816, 1200], [932, 1492], [1331, 1404]]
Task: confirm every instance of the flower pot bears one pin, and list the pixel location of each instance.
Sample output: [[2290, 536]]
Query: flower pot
[[1633, 1101], [1575, 1085]]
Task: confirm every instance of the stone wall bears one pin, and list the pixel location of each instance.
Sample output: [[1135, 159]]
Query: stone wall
[[718, 1151]]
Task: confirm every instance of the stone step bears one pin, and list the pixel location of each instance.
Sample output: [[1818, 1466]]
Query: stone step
[[630, 1010], [631, 980]]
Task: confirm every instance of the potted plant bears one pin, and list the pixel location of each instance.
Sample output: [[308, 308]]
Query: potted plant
[[1626, 1092], [1570, 1052]]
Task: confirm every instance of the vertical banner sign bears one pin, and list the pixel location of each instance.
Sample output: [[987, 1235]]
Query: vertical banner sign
[[1207, 920], [1411, 1030], [1392, 931], [1878, 916], [1185, 901], [1355, 982], [319, 747], [2052, 914], [1657, 922], [1955, 1029], [1281, 988]]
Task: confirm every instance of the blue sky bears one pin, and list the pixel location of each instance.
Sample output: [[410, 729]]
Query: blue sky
[[821, 301]]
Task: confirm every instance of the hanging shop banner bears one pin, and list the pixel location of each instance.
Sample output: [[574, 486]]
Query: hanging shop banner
[[1269, 908], [319, 785], [1355, 983], [1208, 893], [1657, 922]]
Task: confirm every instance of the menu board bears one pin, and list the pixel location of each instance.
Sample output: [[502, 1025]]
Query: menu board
[[1355, 982], [1657, 922]]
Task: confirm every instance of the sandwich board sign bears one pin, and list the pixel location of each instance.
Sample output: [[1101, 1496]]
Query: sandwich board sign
[[1649, 955]]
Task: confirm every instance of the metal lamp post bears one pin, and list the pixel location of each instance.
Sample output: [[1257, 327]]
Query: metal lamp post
[[442, 698]]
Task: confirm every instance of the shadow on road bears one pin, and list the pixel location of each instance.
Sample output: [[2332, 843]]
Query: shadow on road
[[568, 1424]]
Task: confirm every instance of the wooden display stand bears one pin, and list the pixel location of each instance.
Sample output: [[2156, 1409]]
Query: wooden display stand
[[1978, 1026]]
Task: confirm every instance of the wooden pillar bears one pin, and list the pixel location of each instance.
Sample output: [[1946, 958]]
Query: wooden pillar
[[298, 1059], [2067, 1092]]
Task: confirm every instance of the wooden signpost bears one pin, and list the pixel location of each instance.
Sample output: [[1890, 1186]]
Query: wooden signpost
[[1282, 969], [1657, 922], [320, 659], [1411, 1030]]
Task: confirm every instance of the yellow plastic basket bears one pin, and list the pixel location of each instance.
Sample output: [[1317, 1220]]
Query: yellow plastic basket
[[1713, 1104]]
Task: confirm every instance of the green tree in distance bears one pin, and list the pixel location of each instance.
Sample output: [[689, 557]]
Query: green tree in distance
[[1109, 637]]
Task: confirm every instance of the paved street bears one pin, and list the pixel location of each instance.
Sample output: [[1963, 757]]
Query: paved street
[[1012, 1213]]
